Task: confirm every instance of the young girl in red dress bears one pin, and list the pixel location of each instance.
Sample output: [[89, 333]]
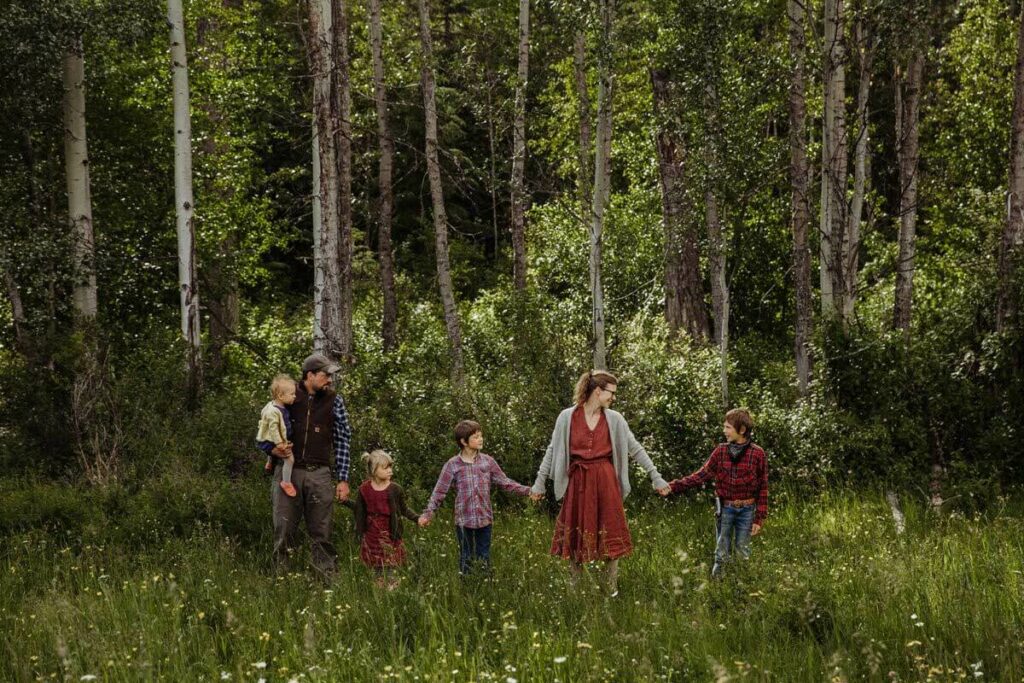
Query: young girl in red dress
[[378, 504]]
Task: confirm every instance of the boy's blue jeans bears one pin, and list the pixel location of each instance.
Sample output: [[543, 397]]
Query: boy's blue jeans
[[474, 546], [734, 527]]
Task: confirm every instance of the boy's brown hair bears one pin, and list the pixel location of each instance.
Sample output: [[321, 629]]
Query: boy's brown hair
[[464, 430], [740, 420]]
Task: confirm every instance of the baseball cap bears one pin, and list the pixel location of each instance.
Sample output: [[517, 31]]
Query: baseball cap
[[317, 362]]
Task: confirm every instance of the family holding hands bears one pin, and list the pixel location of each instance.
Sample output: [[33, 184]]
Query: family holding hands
[[587, 460]]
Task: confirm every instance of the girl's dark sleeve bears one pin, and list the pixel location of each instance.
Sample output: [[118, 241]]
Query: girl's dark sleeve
[[404, 508]]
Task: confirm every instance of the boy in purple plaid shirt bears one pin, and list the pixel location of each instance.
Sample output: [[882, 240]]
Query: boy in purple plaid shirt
[[472, 472]]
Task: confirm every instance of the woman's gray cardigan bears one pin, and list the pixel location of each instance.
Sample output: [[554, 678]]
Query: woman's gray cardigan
[[555, 465]]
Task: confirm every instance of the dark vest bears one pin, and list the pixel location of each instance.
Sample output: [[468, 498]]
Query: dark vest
[[312, 426]]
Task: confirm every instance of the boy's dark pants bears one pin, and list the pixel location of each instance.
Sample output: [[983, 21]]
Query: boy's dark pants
[[474, 546]]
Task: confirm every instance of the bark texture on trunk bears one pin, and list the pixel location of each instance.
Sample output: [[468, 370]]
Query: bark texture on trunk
[[519, 152], [909, 89], [833, 163], [800, 209], [343, 147], [851, 261], [76, 166], [1013, 233], [684, 287], [389, 325], [602, 175], [719, 286], [444, 277], [327, 278], [184, 204]]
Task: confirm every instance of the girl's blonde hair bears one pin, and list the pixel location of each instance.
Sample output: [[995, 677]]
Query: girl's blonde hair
[[376, 458], [279, 384], [590, 380]]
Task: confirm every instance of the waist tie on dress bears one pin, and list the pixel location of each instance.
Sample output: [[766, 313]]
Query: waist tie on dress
[[584, 464]]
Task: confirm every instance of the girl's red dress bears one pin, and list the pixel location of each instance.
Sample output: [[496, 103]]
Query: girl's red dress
[[377, 550], [592, 522]]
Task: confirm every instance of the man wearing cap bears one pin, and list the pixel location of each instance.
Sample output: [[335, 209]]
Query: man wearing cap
[[320, 444]]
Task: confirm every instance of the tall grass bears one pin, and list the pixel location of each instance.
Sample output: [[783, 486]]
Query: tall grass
[[830, 593]]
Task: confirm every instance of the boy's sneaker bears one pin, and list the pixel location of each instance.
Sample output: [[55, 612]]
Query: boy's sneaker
[[288, 488]]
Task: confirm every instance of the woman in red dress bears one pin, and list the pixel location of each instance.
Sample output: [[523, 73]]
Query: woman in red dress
[[588, 461], [377, 507]]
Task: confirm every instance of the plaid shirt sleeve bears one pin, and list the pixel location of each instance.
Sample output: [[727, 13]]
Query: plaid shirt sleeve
[[501, 480], [762, 496], [444, 482], [706, 472], [342, 439]]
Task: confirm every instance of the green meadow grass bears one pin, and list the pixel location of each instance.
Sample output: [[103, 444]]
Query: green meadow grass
[[831, 593]]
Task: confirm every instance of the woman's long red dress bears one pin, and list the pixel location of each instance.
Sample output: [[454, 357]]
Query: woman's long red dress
[[592, 522], [377, 550]]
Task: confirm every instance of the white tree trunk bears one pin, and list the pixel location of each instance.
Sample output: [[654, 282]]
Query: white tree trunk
[[833, 162], [800, 200], [76, 164], [909, 99], [326, 279], [444, 277], [519, 151], [184, 205], [865, 48], [602, 174]]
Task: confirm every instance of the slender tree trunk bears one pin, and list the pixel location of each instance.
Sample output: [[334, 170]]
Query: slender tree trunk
[[586, 173], [851, 263], [343, 146], [800, 209], [184, 204], [389, 333], [602, 174], [684, 289], [444, 277], [519, 152], [833, 162], [327, 278], [909, 99], [719, 286], [76, 163], [1013, 232]]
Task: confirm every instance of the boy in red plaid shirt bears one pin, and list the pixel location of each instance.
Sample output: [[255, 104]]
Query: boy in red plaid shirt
[[740, 470]]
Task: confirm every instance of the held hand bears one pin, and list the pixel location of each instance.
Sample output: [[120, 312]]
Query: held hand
[[665, 491], [341, 493], [536, 497], [282, 450], [423, 521], [755, 530]]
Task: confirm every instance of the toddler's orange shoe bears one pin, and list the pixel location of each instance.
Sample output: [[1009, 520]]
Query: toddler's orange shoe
[[288, 488]]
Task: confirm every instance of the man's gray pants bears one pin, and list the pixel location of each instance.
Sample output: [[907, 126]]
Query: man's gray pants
[[314, 500]]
